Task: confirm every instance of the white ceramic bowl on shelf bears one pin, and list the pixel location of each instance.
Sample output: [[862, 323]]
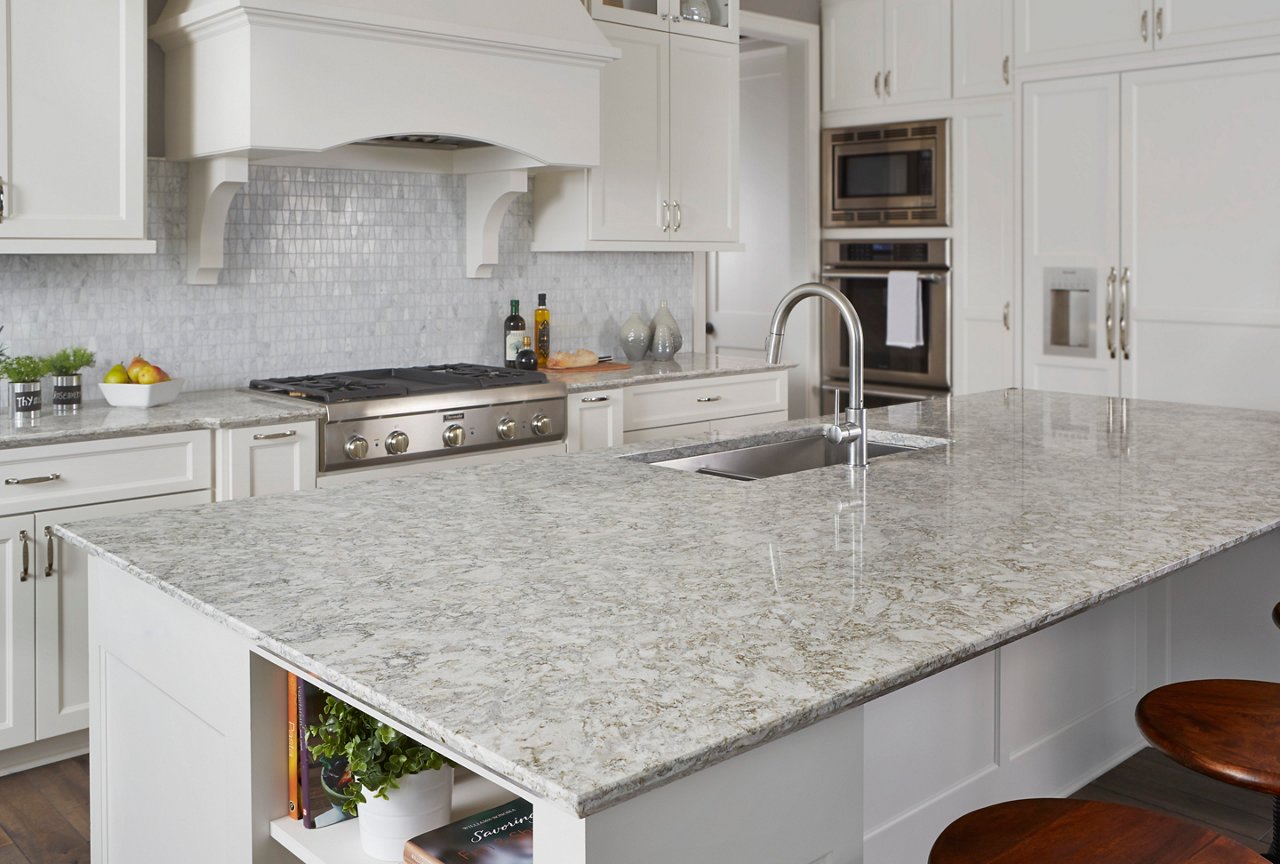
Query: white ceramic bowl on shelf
[[142, 395]]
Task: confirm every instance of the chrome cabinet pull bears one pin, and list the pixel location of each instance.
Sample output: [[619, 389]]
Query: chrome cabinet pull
[[1124, 313], [665, 17], [24, 538], [677, 18], [710, 398], [1160, 23], [1005, 315], [48, 558], [1, 200], [888, 87], [1111, 312], [274, 436], [1145, 17], [878, 85], [591, 400], [27, 481], [679, 214], [666, 217], [1004, 69]]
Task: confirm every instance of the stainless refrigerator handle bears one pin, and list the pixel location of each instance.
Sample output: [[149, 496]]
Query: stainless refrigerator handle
[[925, 275], [1111, 312]]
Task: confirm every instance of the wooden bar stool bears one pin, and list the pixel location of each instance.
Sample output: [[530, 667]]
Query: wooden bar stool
[[1224, 728], [1066, 831]]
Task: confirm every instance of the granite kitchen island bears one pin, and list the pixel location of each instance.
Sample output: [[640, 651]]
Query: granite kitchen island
[[676, 667]]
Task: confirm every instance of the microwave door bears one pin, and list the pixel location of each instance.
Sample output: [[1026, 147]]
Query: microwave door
[[884, 175]]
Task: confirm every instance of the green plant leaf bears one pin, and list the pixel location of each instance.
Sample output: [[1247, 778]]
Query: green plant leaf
[[69, 361], [23, 369]]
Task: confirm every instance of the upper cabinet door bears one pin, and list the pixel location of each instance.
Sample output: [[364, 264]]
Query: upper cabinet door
[[706, 19], [72, 122], [704, 140], [917, 50], [983, 62], [629, 188], [1196, 22], [1054, 31], [653, 14], [1071, 233], [852, 54]]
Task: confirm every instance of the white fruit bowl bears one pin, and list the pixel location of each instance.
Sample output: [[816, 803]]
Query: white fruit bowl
[[142, 395]]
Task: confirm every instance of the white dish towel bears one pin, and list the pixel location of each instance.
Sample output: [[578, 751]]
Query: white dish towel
[[905, 327]]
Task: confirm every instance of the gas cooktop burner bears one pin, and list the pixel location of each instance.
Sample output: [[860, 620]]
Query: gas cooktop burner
[[386, 383]]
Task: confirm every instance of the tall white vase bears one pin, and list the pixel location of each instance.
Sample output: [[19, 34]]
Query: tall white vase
[[423, 802], [666, 334]]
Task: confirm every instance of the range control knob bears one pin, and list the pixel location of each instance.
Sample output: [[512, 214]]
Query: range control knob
[[454, 435], [541, 424], [397, 443], [357, 447], [506, 428]]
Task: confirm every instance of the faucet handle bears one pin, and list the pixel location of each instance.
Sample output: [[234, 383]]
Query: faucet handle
[[836, 419]]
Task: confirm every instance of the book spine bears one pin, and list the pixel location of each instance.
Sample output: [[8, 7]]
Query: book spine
[[414, 855], [295, 809], [304, 759]]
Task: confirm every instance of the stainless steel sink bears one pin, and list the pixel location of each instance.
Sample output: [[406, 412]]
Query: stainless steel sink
[[772, 460]]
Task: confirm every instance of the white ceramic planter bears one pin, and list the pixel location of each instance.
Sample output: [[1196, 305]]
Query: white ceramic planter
[[424, 801]]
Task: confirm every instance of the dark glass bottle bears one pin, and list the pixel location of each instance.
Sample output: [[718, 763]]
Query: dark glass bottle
[[527, 358], [513, 331]]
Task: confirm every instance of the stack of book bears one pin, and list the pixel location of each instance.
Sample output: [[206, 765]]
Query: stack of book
[[317, 787], [503, 835]]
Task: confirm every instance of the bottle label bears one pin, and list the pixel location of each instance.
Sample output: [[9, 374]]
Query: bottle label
[[544, 340], [515, 341]]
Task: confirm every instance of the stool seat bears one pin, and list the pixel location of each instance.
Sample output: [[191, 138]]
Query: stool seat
[[1065, 831], [1223, 728]]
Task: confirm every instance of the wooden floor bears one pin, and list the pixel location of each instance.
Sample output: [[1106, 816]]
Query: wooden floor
[[44, 812]]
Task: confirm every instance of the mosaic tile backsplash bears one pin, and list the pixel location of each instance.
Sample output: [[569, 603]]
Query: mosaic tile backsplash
[[325, 270]]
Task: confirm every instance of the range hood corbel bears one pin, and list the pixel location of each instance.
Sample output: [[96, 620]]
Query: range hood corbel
[[304, 82]]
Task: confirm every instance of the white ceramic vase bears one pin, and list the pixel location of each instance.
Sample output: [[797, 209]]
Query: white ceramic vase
[[666, 334], [423, 802], [634, 337]]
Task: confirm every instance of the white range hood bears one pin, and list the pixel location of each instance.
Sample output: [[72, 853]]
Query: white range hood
[[505, 85]]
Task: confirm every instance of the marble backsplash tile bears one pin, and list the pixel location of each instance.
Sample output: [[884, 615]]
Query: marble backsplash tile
[[325, 269]]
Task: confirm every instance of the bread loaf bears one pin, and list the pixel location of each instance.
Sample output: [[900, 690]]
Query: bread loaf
[[572, 359]]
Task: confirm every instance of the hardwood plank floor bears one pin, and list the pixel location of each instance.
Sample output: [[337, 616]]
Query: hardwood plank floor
[[44, 812]]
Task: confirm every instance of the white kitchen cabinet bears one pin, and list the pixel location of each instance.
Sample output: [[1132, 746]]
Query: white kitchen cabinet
[[594, 420], [983, 47], [1050, 31], [885, 52], [1131, 182], [668, 173], [982, 275], [672, 16], [43, 617], [266, 460], [73, 126]]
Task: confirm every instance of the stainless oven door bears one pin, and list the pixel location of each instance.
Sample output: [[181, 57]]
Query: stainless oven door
[[928, 366]]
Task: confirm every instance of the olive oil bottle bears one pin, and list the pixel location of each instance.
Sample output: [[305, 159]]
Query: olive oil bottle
[[542, 331]]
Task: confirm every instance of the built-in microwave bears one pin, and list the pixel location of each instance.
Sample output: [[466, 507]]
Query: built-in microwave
[[891, 175]]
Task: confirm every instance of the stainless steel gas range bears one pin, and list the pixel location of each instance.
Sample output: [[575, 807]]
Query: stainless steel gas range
[[388, 417]]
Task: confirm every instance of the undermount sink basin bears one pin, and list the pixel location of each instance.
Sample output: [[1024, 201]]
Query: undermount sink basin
[[772, 460]]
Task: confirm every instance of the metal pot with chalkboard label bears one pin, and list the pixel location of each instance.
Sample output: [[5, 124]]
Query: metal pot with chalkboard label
[[25, 402], [67, 394]]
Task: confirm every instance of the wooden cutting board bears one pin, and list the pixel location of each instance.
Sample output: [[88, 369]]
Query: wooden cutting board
[[599, 367]]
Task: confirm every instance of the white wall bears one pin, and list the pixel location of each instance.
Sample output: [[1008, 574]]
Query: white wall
[[800, 10], [326, 270]]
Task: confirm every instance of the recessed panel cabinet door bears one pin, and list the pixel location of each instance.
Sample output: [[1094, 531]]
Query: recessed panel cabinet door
[[630, 185], [917, 50], [983, 61], [61, 581], [594, 420], [704, 140], [1071, 232], [852, 54], [17, 631], [1201, 202], [72, 118], [1196, 22], [1054, 31]]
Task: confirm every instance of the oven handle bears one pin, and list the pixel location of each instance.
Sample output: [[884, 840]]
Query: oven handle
[[925, 275]]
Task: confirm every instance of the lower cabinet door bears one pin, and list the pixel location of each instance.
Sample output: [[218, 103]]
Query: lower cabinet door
[[59, 582], [267, 460], [594, 420], [17, 624]]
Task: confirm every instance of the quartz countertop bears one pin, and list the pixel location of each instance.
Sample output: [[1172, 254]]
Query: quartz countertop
[[205, 409], [651, 371], [592, 626]]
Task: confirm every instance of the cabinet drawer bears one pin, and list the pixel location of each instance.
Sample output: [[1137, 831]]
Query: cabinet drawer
[[67, 475], [650, 405]]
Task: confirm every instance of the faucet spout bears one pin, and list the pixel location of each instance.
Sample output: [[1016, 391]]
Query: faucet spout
[[854, 427]]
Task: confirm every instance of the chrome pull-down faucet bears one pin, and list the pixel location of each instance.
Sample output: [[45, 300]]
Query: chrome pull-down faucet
[[853, 428]]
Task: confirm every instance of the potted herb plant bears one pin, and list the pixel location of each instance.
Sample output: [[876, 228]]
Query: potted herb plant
[[402, 788], [24, 374], [65, 368]]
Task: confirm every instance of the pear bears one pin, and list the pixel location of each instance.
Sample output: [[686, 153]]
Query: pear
[[117, 374], [148, 375], [136, 365]]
